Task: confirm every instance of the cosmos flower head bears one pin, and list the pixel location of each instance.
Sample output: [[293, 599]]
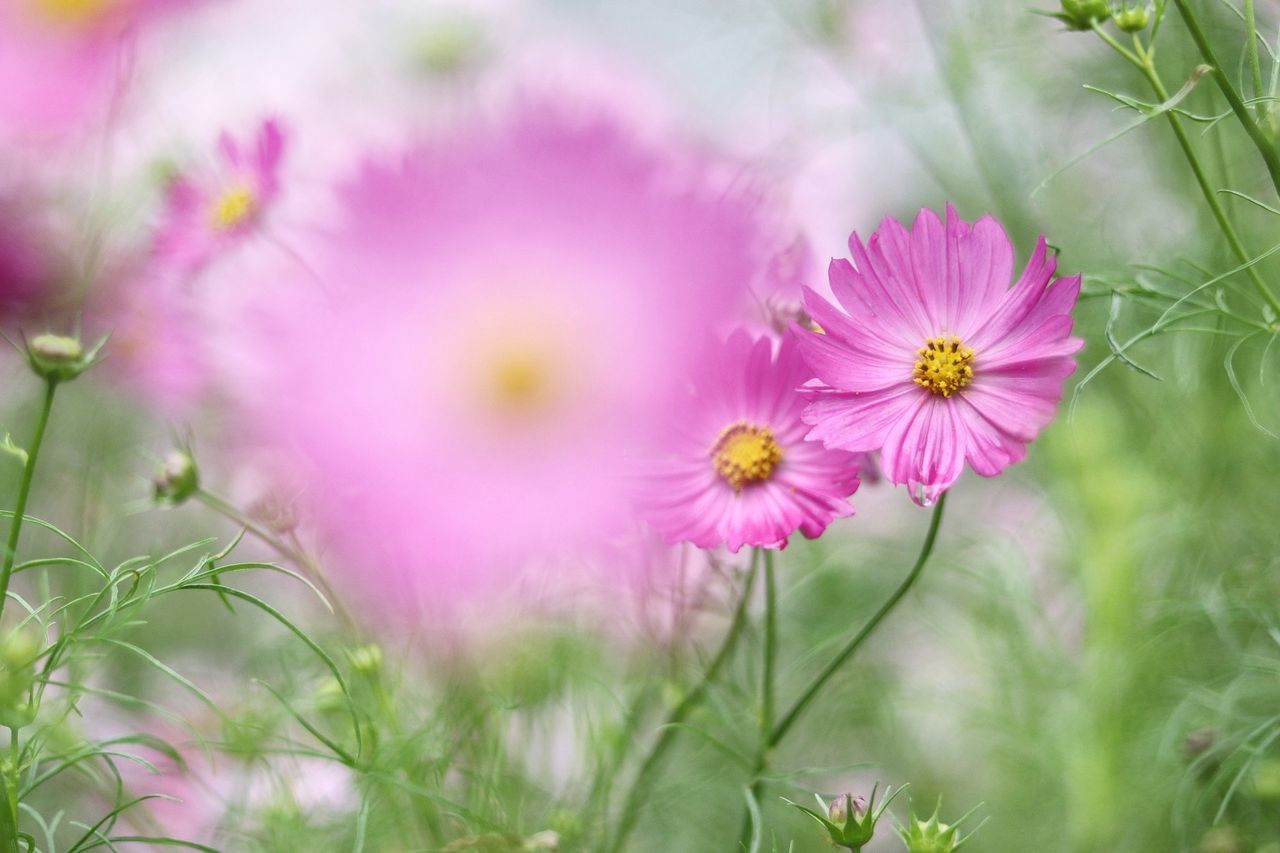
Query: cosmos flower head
[[739, 470], [61, 61], [501, 315], [209, 212], [935, 360]]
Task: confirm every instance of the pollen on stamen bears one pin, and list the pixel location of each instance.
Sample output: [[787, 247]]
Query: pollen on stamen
[[745, 454], [944, 366], [234, 207]]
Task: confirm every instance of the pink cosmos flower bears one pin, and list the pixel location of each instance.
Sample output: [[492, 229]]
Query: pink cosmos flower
[[937, 360], [60, 60], [496, 329], [741, 471], [207, 214]]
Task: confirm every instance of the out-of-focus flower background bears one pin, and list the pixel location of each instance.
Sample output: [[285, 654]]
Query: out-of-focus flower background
[[285, 213]]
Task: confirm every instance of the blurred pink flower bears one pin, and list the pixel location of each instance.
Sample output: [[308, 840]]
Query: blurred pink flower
[[740, 471], [61, 60], [206, 214], [30, 267], [158, 346], [501, 319], [938, 360]]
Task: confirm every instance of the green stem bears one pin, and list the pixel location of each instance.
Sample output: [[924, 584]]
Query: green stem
[[9, 814], [1146, 64], [24, 492], [1251, 50], [1260, 141], [639, 792], [767, 690], [815, 687], [294, 554]]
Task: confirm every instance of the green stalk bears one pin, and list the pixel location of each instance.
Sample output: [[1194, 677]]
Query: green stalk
[[767, 689], [24, 492], [9, 812], [1251, 50], [815, 687], [1260, 141], [1146, 64], [640, 787]]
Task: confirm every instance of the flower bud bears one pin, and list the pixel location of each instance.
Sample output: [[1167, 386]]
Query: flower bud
[[1221, 839], [1266, 779], [366, 659], [1131, 19], [178, 478], [1083, 14], [58, 358], [850, 821], [933, 836], [18, 653], [838, 809]]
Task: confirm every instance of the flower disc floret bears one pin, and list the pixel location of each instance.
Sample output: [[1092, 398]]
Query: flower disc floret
[[745, 454], [944, 367]]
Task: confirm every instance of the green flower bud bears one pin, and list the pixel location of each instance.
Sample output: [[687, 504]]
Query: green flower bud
[[1131, 19], [851, 824], [18, 653], [178, 478], [366, 659], [59, 358], [1266, 779], [1083, 14], [933, 836], [1221, 839]]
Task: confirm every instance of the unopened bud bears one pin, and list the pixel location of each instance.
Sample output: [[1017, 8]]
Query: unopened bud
[[838, 810], [367, 658], [178, 478], [932, 835], [1083, 14], [850, 831], [1198, 742], [1131, 19], [18, 653], [1221, 839], [58, 358]]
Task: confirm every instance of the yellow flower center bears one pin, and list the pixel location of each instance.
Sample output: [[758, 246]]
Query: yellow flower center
[[232, 208], [71, 12], [945, 365], [745, 454], [520, 381]]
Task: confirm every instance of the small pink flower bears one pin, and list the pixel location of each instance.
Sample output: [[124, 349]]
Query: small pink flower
[[937, 360], [207, 214], [740, 471]]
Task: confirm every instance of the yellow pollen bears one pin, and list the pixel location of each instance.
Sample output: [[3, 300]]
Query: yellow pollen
[[745, 454], [945, 365], [232, 208], [71, 11]]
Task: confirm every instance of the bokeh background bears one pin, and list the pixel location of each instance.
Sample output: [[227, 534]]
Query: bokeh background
[[1092, 657]]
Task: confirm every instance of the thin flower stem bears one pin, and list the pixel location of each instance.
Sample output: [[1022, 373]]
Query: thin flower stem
[[1251, 50], [1146, 64], [815, 687], [639, 792], [290, 552], [24, 492], [1268, 151], [767, 689], [9, 813]]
